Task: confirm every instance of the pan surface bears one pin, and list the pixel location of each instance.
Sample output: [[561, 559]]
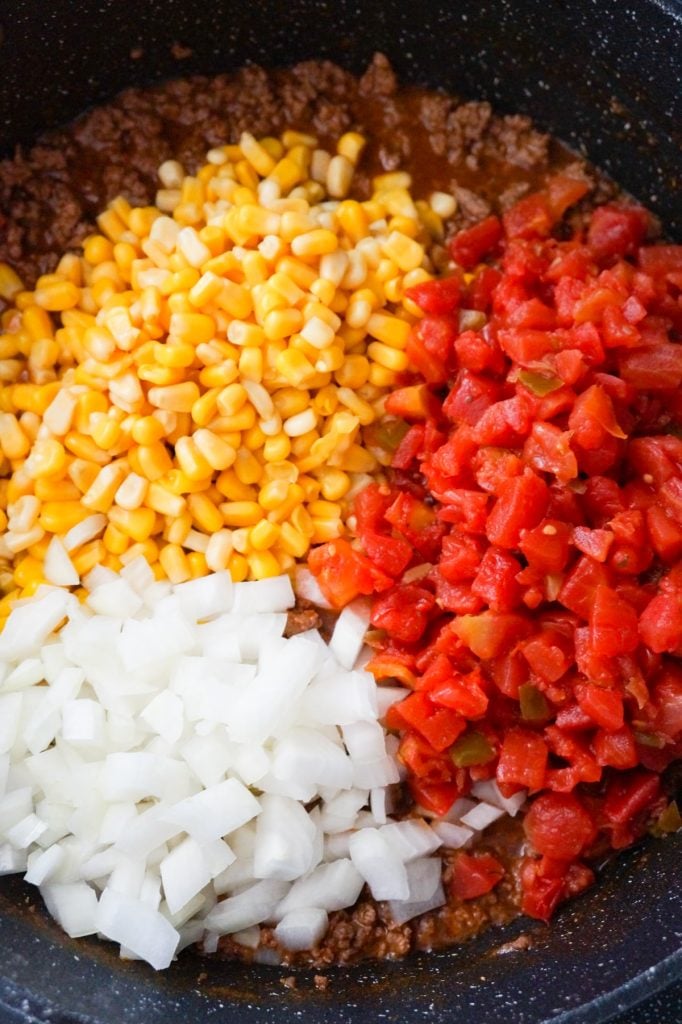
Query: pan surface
[[604, 76]]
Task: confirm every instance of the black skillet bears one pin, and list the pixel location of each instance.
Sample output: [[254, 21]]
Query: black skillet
[[604, 75]]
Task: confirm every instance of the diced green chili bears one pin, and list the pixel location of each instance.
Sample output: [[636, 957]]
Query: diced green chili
[[472, 748], [534, 707]]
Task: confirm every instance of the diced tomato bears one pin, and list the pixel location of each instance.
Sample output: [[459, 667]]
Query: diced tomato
[[343, 573], [391, 554], [564, 191], [546, 546], [463, 694], [417, 522], [616, 749], [603, 705], [433, 796], [521, 504], [660, 624], [581, 585], [616, 231], [546, 656], [471, 395], [495, 581], [628, 795], [370, 506], [474, 875], [594, 543], [523, 760], [412, 403], [593, 417], [477, 352], [659, 260], [525, 347], [403, 612], [559, 826], [440, 726], [613, 623], [530, 217], [439, 297], [541, 895], [548, 450], [430, 347], [471, 244], [654, 368]]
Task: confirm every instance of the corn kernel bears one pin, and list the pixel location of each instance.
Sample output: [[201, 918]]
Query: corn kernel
[[174, 563], [241, 513]]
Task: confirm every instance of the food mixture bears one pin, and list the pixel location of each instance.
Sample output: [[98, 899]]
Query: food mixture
[[340, 519]]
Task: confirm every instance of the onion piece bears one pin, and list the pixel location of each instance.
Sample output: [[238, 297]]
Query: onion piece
[[58, 567]]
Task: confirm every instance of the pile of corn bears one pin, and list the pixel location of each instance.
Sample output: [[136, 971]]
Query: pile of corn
[[194, 386]]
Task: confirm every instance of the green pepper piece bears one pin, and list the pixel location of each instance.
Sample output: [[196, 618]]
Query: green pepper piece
[[539, 384], [534, 707], [472, 748], [670, 820]]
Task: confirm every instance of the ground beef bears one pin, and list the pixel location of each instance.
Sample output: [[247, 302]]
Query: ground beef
[[49, 194]]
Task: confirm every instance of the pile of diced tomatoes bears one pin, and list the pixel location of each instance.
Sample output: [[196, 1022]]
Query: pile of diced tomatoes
[[525, 556]]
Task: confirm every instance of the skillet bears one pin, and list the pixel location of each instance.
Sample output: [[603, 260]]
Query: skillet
[[605, 78]]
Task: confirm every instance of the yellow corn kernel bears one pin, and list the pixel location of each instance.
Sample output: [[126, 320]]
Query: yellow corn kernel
[[293, 366], [174, 563], [251, 364], [247, 468], [60, 516], [115, 540], [325, 530], [389, 330], [219, 376], [57, 296], [218, 550], [34, 397], [90, 555], [353, 373], [317, 242], [176, 531], [27, 571], [263, 535], [37, 322], [147, 430], [242, 420], [164, 501], [301, 521], [197, 564], [83, 473], [233, 489], [292, 541], [276, 448], [191, 461], [176, 397], [263, 565], [100, 495], [356, 460], [309, 486], [177, 356], [388, 357], [351, 146], [13, 441], [10, 282], [106, 433], [334, 483], [287, 173], [241, 513], [215, 450], [84, 447], [137, 523], [153, 460], [240, 540], [47, 489], [231, 399], [205, 515], [238, 567], [47, 458], [282, 323]]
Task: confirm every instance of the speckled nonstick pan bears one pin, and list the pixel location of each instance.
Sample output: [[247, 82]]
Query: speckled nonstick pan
[[605, 76]]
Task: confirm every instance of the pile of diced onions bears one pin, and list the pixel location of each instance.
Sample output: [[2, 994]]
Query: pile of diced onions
[[172, 769]]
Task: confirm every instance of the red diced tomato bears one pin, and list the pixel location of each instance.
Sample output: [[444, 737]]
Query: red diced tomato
[[495, 581], [580, 586], [343, 573], [463, 694], [546, 657], [548, 449], [659, 260], [391, 554], [430, 347], [616, 231], [523, 760], [613, 623], [471, 395], [521, 504], [434, 796], [370, 506], [654, 368], [474, 875], [403, 612], [604, 706], [628, 795], [660, 624], [559, 826], [439, 297], [615, 749], [546, 546], [530, 217], [564, 191], [469, 245], [439, 726]]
